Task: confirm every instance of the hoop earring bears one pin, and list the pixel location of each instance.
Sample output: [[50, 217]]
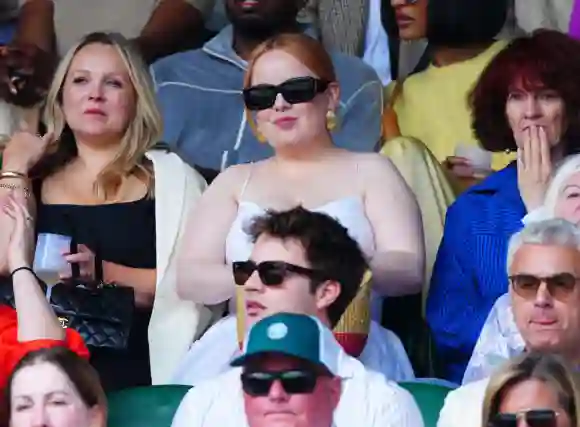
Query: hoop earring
[[331, 121], [260, 137]]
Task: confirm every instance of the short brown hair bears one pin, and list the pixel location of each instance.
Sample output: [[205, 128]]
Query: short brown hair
[[78, 370], [544, 59], [327, 246]]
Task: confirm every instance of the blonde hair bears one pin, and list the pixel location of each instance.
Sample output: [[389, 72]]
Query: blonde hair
[[142, 133], [547, 368]]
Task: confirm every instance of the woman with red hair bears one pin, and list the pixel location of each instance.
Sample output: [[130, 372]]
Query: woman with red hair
[[527, 100], [291, 94]]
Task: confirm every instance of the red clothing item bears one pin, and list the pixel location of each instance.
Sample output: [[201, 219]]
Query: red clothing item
[[12, 350]]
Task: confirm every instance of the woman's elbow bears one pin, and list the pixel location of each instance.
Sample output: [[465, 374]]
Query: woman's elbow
[[187, 287], [183, 284]]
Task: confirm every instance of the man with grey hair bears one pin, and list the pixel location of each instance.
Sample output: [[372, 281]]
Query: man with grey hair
[[544, 270]]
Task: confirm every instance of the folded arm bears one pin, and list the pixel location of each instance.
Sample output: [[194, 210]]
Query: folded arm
[[36, 24], [172, 23], [399, 260], [202, 274]]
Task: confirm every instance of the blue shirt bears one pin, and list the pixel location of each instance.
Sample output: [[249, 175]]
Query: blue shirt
[[470, 271], [200, 96]]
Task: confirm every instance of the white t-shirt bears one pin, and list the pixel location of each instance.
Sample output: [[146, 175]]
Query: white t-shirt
[[463, 407], [367, 400], [211, 355]]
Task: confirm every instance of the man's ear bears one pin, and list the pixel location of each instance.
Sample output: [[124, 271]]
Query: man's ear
[[335, 390], [326, 294], [98, 416]]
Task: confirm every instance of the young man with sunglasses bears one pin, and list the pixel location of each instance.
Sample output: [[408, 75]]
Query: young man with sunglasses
[[302, 262], [544, 278], [285, 242], [289, 376], [199, 90]]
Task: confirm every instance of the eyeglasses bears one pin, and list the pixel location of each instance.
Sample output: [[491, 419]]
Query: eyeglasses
[[560, 286], [272, 273], [293, 382], [533, 418], [294, 91]]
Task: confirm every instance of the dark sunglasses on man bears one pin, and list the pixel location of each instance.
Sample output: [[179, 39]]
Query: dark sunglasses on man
[[272, 273], [532, 417], [294, 91], [559, 286], [296, 381]]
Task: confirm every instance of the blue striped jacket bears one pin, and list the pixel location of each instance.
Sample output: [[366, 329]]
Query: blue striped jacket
[[470, 269]]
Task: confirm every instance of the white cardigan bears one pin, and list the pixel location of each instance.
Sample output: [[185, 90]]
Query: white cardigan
[[175, 323]]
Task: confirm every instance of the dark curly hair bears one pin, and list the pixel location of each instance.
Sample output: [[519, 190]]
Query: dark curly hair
[[545, 59], [327, 246], [456, 23], [464, 22]]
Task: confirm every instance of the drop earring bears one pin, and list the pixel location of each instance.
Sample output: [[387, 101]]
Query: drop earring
[[331, 121], [260, 137]]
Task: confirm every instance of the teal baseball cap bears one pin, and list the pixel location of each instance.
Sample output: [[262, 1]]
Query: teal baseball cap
[[295, 335]]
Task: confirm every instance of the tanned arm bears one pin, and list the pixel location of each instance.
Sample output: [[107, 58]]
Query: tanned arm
[[172, 24], [36, 24]]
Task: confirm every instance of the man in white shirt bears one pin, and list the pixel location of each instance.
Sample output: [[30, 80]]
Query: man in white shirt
[[287, 377], [365, 398], [544, 274], [298, 264]]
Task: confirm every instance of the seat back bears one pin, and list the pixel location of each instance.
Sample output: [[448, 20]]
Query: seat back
[[429, 397], [152, 406]]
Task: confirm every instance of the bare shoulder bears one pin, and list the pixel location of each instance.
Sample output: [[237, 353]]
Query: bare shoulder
[[232, 178], [374, 164]]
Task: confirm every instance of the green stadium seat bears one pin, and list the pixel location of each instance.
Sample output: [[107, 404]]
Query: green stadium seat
[[429, 398], [152, 406]]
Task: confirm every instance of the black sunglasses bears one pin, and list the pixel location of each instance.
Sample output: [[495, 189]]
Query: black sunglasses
[[533, 418], [272, 273], [293, 382], [294, 91], [560, 286]]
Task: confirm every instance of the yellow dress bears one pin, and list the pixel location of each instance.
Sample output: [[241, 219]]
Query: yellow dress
[[433, 106]]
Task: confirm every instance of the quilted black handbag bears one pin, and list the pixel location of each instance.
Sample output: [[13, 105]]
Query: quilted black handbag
[[101, 313]]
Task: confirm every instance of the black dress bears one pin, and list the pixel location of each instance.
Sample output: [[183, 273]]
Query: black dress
[[124, 233]]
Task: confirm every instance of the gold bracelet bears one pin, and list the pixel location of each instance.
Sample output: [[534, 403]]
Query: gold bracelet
[[12, 174], [13, 187]]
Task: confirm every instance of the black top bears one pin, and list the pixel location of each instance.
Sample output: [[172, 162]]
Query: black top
[[124, 233]]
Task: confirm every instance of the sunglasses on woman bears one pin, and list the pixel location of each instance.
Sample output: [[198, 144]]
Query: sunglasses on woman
[[294, 91], [293, 382], [271, 273], [533, 418], [559, 286]]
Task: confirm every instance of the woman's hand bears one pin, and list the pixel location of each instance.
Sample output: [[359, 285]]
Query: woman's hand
[[21, 244], [85, 258], [534, 166], [24, 150], [460, 167]]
